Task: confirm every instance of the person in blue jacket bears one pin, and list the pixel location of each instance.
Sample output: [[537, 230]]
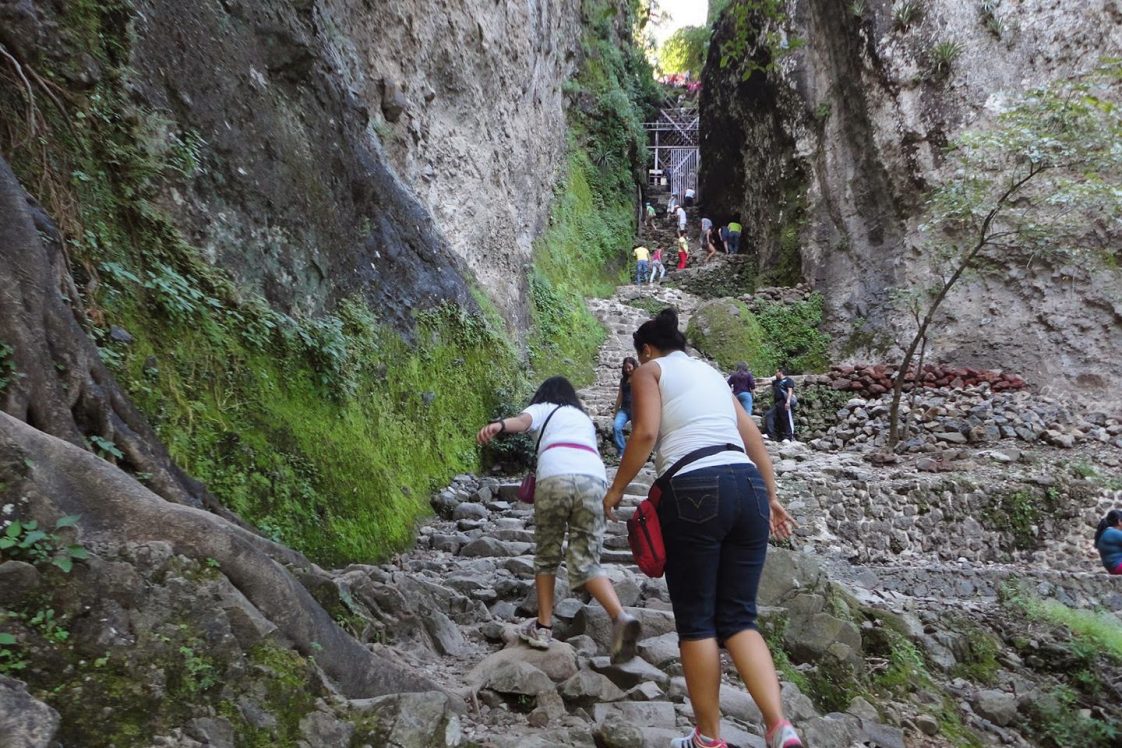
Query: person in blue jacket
[[1108, 541]]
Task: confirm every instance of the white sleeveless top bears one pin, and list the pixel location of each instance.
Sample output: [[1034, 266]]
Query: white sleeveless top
[[697, 411]]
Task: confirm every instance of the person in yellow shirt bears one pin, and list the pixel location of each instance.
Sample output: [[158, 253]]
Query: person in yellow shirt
[[683, 251], [642, 262]]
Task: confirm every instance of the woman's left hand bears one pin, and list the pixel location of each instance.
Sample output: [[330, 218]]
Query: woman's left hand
[[782, 523], [611, 500]]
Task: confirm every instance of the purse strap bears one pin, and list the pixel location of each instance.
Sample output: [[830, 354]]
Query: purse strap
[[542, 432], [664, 479]]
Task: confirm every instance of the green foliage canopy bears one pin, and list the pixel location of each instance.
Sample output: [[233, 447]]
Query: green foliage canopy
[[684, 51]]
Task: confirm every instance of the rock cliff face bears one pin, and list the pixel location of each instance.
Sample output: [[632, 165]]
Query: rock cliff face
[[841, 142], [343, 146]]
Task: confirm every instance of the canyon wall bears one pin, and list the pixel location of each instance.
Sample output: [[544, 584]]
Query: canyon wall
[[829, 154], [338, 147]]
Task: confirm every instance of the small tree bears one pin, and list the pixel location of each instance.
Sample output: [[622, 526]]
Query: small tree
[[1045, 179]]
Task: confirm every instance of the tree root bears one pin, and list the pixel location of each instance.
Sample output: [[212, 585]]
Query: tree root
[[62, 479]]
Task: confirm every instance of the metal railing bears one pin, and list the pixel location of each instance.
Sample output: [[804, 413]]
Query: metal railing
[[675, 157]]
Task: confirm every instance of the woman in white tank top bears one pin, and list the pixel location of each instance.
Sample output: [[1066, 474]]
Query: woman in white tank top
[[717, 511]]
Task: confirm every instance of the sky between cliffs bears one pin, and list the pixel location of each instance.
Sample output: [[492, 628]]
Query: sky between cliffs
[[679, 13]]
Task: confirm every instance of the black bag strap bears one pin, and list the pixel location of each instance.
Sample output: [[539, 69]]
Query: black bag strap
[[693, 456], [542, 432]]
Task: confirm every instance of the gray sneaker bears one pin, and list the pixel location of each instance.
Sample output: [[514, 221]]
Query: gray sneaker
[[534, 635], [625, 634]]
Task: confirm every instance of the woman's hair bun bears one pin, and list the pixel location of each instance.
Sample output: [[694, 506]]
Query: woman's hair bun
[[667, 319]]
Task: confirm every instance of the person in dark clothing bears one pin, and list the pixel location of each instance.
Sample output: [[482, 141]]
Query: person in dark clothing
[[743, 386], [781, 418], [623, 403]]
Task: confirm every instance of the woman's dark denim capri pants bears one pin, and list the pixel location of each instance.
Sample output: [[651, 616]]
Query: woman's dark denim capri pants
[[715, 523]]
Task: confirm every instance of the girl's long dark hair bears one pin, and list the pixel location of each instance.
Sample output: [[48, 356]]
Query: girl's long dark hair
[[623, 367], [661, 332], [1110, 520], [559, 391]]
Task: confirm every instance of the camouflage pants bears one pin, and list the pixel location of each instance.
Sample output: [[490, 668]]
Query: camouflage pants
[[573, 503]]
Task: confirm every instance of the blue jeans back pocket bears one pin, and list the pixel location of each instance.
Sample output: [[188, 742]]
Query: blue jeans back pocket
[[697, 498], [759, 492]]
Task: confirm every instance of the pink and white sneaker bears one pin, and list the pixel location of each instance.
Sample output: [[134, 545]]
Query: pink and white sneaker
[[784, 736]]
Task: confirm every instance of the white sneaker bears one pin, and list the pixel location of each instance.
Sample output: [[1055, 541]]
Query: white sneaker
[[687, 742], [534, 635], [784, 736], [625, 634]]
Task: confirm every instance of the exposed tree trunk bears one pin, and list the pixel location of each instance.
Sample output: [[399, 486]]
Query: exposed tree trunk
[[63, 394], [915, 388]]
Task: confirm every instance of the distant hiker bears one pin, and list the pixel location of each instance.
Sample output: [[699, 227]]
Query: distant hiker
[[718, 507], [734, 237], [781, 416], [672, 205], [1108, 541], [743, 386], [568, 499], [651, 213], [713, 243], [683, 252], [690, 196], [658, 270], [706, 224], [642, 260], [681, 213], [623, 404]]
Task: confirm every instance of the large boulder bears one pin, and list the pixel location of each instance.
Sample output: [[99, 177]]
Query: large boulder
[[409, 720], [725, 331], [24, 720], [786, 574]]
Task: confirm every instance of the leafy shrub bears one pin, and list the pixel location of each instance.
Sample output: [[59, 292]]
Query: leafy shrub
[[26, 541]]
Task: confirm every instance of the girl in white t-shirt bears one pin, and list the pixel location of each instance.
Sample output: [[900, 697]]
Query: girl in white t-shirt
[[568, 500]]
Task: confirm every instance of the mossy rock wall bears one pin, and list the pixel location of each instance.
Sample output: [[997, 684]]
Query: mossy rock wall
[[324, 402]]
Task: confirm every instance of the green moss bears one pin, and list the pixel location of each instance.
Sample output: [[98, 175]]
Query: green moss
[[1017, 515], [575, 257], [727, 332], [284, 690], [980, 664], [833, 684]]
